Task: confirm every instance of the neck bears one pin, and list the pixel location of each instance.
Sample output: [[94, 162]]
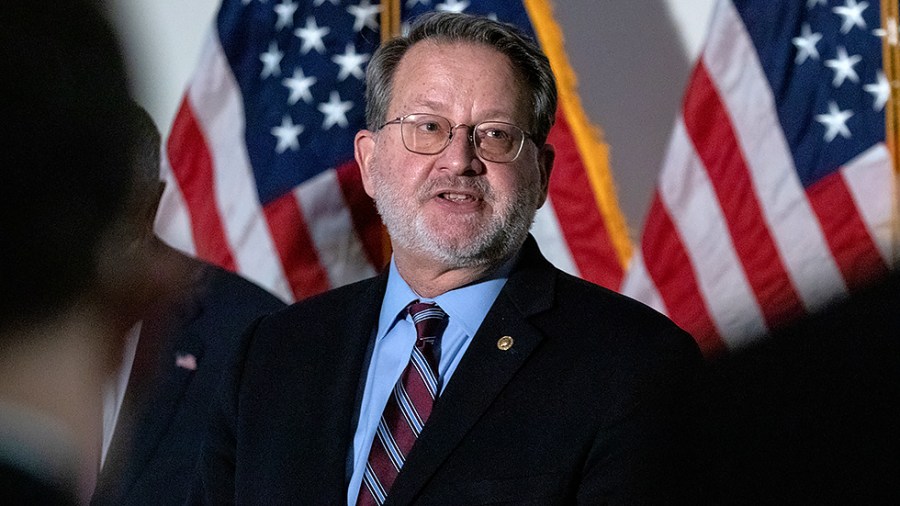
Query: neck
[[429, 278]]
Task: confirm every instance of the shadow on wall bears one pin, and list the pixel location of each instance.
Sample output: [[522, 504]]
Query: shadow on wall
[[631, 71]]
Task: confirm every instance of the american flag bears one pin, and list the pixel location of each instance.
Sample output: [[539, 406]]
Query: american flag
[[261, 170], [776, 195]]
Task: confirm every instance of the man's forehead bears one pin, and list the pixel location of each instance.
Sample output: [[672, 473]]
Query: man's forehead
[[432, 64], [433, 48]]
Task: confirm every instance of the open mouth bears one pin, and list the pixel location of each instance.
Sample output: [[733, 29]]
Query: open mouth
[[457, 197]]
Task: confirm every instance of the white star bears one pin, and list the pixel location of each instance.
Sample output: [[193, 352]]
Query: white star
[[843, 67], [312, 35], [287, 135], [271, 60], [320, 2], [335, 111], [299, 85], [835, 122], [452, 6], [285, 11], [812, 3], [365, 15], [413, 3], [852, 14], [806, 44], [880, 90], [350, 62]]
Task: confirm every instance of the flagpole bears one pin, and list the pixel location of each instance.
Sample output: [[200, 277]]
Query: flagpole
[[891, 58], [390, 28], [390, 19]]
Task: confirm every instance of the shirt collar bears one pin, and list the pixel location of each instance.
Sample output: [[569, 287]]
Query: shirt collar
[[467, 305]]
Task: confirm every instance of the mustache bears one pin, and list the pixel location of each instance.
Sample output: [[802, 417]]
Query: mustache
[[478, 186]]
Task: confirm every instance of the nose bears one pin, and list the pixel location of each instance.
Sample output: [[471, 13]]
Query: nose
[[459, 156]]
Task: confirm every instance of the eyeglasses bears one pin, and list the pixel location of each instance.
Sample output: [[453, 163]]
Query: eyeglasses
[[429, 134]]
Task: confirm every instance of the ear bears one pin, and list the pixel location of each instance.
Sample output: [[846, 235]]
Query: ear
[[363, 149], [546, 156]]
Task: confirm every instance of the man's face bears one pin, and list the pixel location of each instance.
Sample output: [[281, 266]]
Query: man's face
[[453, 207]]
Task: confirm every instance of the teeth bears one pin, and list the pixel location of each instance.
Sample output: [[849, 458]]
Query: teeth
[[457, 197]]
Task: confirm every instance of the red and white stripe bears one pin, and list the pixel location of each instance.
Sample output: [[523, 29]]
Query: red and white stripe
[[570, 228], [546, 231], [301, 244], [734, 244]]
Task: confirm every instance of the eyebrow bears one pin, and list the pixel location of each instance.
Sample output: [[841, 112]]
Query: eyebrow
[[434, 106], [430, 104]]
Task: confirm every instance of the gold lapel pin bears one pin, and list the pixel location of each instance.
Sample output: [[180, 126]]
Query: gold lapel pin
[[504, 343]]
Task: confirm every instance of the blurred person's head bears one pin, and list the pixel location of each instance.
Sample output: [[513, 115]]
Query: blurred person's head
[[69, 285], [140, 213], [64, 156]]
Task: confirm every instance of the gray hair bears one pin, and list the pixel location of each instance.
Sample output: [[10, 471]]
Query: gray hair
[[527, 59]]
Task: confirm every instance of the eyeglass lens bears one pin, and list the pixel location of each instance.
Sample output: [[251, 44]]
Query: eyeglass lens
[[428, 134]]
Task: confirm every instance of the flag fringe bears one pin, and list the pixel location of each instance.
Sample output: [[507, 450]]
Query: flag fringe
[[588, 137]]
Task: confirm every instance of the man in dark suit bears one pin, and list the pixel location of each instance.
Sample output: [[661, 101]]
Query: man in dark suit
[[471, 371], [156, 408]]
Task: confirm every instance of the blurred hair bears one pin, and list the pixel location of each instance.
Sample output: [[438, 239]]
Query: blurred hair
[[64, 154], [527, 59], [145, 146]]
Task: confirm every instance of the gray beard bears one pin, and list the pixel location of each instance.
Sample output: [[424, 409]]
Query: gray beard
[[488, 245]]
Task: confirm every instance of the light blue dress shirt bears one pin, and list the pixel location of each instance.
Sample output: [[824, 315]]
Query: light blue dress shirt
[[466, 308]]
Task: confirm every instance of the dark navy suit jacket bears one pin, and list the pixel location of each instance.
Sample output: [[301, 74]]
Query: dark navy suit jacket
[[592, 403], [809, 415], [164, 415], [19, 485]]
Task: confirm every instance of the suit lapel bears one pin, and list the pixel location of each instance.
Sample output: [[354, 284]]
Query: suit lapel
[[483, 372], [168, 351], [333, 396]]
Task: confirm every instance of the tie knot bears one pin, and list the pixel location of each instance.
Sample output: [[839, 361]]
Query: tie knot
[[427, 316]]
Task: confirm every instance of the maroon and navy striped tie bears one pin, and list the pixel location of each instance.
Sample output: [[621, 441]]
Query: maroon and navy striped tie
[[407, 408]]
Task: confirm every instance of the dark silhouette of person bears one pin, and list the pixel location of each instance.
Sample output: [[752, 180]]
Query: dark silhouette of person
[[156, 407]]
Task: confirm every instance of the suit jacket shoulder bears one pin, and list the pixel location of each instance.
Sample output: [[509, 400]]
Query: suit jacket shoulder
[[290, 397], [181, 355], [228, 292], [592, 317]]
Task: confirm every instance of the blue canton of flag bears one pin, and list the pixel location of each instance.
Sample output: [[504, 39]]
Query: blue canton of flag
[[300, 67], [830, 91], [508, 11]]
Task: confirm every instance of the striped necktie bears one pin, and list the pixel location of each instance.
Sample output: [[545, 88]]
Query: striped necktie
[[407, 408]]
